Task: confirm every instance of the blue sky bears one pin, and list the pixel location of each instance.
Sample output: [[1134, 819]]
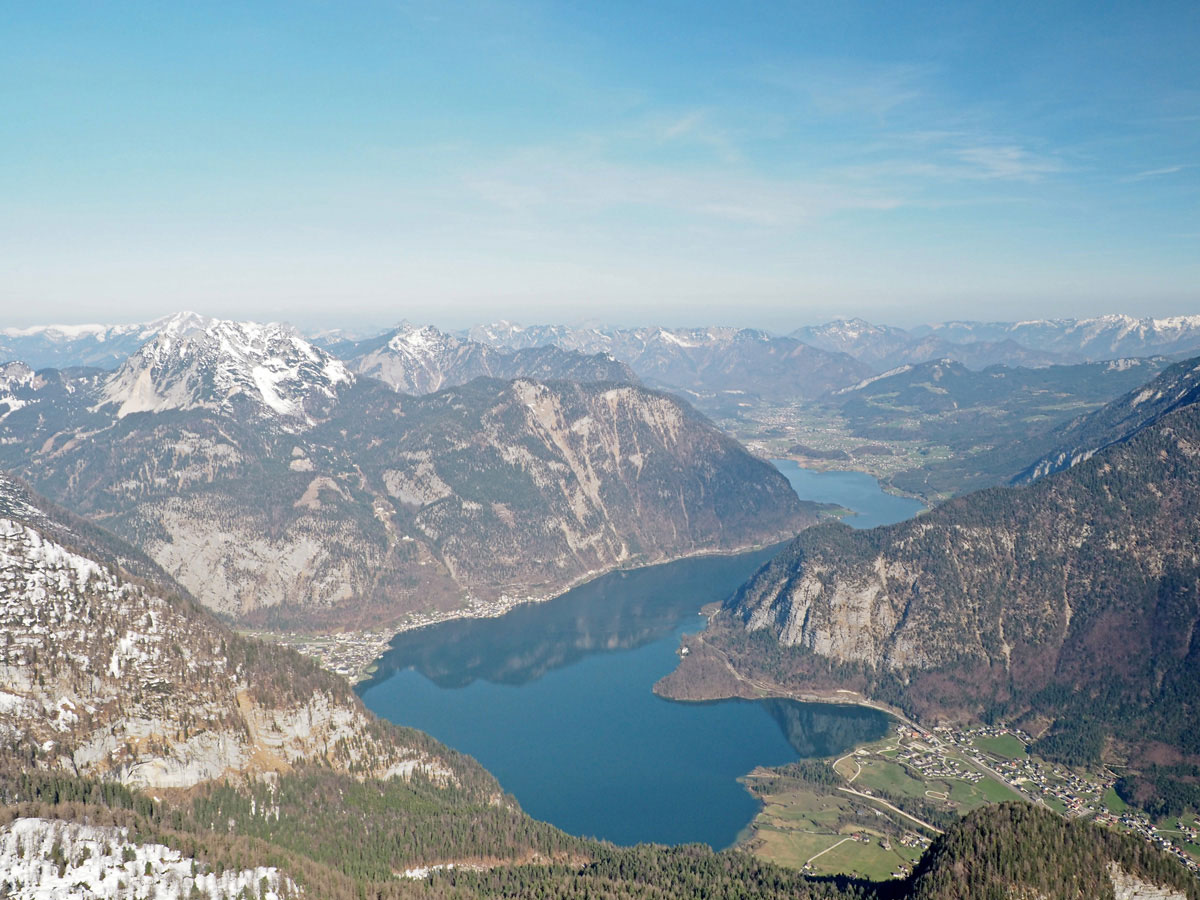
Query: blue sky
[[760, 163]]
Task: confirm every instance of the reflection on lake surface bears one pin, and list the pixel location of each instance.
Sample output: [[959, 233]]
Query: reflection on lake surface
[[555, 700], [620, 611]]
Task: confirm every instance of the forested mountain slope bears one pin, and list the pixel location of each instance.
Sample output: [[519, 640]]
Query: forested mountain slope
[[1176, 387], [110, 675], [1072, 600]]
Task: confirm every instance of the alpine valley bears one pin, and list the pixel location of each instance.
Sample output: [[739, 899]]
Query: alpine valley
[[176, 487]]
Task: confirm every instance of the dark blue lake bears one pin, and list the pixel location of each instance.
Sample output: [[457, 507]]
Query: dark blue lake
[[555, 700]]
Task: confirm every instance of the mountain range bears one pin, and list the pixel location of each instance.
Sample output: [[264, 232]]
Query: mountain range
[[701, 363], [278, 486], [423, 360], [1095, 338], [710, 364], [1031, 343]]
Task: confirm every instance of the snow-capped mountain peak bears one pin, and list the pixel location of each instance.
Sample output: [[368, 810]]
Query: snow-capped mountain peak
[[421, 341], [196, 362], [176, 324]]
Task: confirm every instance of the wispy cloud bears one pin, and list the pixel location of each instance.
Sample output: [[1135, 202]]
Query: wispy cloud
[[1155, 173], [697, 126], [951, 157], [1008, 162]]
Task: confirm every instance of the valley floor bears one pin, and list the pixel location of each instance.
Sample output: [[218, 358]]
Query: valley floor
[[864, 821]]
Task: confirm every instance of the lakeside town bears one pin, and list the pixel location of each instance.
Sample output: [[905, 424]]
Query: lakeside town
[[353, 654], [1074, 793]]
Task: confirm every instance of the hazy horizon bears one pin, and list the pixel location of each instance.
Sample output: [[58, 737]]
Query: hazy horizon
[[370, 327]]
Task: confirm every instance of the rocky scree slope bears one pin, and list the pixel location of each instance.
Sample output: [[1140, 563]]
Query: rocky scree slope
[[108, 675], [279, 488], [1074, 598]]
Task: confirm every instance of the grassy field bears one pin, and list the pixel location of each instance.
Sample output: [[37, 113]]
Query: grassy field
[[792, 848], [1113, 801], [1005, 745], [1057, 805], [864, 860], [1192, 850], [995, 792], [891, 777], [799, 825]]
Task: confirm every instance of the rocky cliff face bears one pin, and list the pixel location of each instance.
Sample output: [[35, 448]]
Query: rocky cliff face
[[523, 487], [112, 676], [279, 488], [1084, 585]]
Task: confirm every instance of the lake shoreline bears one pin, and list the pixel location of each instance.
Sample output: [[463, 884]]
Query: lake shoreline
[[355, 654], [699, 684]]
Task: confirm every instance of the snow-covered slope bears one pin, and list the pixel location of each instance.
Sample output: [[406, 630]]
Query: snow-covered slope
[[48, 859], [100, 346], [106, 676], [416, 360], [217, 364]]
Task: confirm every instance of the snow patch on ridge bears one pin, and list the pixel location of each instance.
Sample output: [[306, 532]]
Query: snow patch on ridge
[[194, 362], [43, 859]]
